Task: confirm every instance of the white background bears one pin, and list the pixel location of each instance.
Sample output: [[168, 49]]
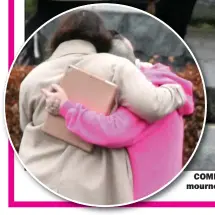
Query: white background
[[28, 189]]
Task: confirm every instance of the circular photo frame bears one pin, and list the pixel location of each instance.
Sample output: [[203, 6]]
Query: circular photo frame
[[123, 86]]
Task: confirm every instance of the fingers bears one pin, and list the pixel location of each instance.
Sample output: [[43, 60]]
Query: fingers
[[46, 92], [57, 88], [52, 105], [49, 88], [53, 90], [52, 100]]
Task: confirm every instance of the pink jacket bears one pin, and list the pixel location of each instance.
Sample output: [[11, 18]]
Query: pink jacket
[[155, 151]]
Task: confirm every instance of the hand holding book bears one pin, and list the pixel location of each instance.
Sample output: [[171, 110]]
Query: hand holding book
[[79, 87], [55, 98]]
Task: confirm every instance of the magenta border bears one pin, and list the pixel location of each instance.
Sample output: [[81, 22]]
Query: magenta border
[[28, 204]]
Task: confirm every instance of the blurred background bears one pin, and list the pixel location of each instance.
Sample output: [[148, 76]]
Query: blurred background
[[153, 42]]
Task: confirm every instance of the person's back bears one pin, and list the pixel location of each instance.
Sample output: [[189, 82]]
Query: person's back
[[54, 162], [53, 70]]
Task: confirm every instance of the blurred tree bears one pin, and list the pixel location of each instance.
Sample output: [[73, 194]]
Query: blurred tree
[[30, 8]]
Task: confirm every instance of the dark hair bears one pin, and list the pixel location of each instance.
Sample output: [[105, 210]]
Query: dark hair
[[83, 25]]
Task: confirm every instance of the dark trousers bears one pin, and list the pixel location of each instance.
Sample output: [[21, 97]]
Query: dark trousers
[[47, 9], [176, 13]]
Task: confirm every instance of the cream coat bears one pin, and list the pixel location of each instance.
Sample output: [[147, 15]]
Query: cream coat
[[104, 176]]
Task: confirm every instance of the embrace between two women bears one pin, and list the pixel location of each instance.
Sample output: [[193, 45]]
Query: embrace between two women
[[138, 148]]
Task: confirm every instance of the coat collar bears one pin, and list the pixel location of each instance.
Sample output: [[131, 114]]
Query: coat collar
[[74, 47]]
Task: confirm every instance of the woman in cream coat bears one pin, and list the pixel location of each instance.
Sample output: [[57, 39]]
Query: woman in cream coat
[[102, 177]]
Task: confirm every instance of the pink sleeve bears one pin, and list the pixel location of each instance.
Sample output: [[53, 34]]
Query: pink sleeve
[[114, 131]]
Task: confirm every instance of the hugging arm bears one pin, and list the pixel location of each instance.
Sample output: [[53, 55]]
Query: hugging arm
[[114, 131], [141, 97]]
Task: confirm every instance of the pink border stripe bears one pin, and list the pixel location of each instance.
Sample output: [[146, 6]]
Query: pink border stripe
[[10, 32], [11, 156]]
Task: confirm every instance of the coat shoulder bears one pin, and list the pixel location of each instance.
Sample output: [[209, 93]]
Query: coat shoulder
[[114, 61], [113, 58]]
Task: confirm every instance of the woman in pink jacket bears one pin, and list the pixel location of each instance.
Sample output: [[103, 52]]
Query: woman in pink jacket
[[155, 150]]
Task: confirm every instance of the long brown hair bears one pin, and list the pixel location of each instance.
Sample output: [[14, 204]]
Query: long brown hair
[[84, 25]]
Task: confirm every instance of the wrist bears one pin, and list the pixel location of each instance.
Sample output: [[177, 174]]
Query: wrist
[[63, 101], [65, 106]]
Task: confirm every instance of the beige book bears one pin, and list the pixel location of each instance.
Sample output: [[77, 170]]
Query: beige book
[[92, 92]]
